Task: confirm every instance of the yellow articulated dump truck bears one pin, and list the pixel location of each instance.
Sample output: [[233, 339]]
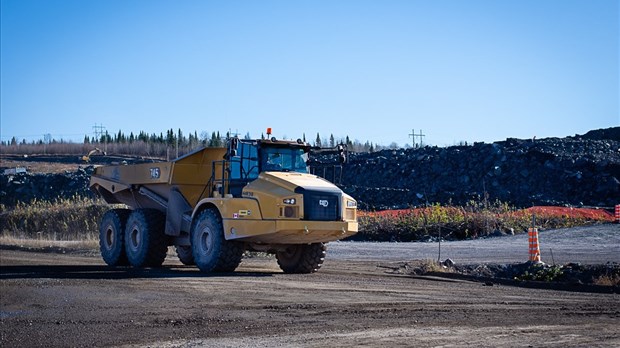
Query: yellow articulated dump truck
[[215, 203]]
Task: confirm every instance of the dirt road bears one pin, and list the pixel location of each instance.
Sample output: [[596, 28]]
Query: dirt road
[[74, 300]]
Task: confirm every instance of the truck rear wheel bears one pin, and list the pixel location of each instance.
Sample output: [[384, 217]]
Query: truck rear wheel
[[184, 253], [302, 258], [145, 242], [211, 251], [112, 237]]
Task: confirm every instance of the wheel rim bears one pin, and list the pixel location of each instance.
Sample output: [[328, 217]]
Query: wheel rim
[[206, 241], [134, 238], [109, 238], [290, 255], [289, 252]]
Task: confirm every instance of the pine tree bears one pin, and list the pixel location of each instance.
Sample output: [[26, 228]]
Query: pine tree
[[317, 142], [332, 141], [180, 137]]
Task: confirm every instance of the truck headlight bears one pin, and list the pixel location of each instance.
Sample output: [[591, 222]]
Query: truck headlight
[[289, 201], [351, 204]]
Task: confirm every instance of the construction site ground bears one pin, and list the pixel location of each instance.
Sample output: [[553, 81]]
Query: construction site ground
[[357, 299]]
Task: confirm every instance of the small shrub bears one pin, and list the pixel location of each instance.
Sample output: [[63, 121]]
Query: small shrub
[[607, 280], [456, 223]]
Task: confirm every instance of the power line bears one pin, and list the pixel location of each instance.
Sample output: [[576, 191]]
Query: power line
[[413, 135]]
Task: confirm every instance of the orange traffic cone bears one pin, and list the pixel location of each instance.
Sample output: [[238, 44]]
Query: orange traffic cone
[[534, 248]]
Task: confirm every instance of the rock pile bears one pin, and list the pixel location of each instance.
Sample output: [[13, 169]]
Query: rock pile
[[26, 187], [580, 170]]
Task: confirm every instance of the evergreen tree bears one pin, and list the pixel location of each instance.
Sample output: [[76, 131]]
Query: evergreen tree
[[180, 137], [317, 142], [332, 141]]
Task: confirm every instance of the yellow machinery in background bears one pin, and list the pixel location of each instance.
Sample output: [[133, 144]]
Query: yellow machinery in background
[[216, 203]]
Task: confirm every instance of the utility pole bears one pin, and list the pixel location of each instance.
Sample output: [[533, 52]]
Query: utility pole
[[413, 135], [47, 139], [99, 132]]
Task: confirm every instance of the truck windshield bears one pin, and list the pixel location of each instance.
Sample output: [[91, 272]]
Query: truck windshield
[[284, 159]]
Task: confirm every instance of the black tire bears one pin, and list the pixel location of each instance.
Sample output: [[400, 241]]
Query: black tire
[[302, 258], [211, 251], [146, 244], [184, 252], [112, 237]]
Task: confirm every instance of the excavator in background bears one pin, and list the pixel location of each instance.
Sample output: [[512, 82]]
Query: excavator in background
[[86, 158]]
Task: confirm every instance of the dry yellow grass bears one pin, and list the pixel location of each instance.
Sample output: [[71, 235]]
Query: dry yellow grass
[[41, 167], [608, 280], [47, 243]]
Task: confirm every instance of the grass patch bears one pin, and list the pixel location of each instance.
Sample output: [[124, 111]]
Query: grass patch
[[42, 244], [471, 221], [607, 280], [77, 219], [74, 219]]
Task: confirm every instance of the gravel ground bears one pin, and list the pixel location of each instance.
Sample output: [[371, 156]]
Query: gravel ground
[[588, 245], [74, 300]]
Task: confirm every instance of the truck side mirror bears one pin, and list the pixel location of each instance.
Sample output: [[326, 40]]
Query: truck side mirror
[[341, 154], [234, 144]]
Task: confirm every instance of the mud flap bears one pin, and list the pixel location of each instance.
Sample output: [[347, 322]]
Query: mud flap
[[177, 207]]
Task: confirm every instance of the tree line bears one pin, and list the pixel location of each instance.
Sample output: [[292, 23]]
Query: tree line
[[168, 144], [179, 140]]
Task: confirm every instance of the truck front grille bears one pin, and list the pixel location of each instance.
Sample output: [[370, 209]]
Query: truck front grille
[[321, 205]]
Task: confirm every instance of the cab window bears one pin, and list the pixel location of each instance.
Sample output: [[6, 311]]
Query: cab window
[[284, 159], [244, 166]]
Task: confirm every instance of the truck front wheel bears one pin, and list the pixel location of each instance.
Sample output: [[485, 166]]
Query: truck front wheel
[[111, 237], [302, 258], [145, 242], [212, 252]]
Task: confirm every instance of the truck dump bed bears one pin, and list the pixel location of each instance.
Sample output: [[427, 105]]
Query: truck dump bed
[[190, 174]]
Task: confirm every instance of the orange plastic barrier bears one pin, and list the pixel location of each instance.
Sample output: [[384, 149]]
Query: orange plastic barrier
[[618, 213]]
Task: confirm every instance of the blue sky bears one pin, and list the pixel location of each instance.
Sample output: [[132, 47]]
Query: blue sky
[[373, 70]]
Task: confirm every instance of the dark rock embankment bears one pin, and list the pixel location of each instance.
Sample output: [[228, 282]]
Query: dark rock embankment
[[27, 187], [580, 170]]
